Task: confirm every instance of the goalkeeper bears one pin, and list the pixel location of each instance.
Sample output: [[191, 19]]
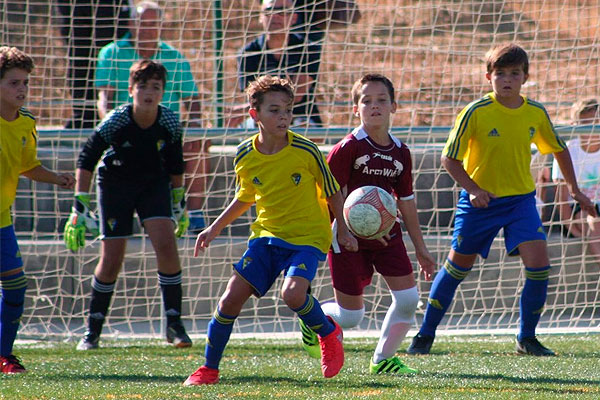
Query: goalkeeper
[[141, 170]]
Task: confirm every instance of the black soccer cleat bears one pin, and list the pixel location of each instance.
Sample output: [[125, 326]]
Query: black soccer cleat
[[421, 344], [533, 347], [177, 336], [89, 341]]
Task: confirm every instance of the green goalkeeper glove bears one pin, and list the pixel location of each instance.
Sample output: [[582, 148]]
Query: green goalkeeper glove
[[81, 220], [180, 216]]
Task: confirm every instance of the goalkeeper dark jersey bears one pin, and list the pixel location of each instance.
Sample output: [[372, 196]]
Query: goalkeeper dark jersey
[[130, 153]]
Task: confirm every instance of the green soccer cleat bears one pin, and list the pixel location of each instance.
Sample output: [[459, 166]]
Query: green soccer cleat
[[392, 365], [310, 341]]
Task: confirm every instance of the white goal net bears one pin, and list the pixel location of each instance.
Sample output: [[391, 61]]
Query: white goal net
[[433, 52]]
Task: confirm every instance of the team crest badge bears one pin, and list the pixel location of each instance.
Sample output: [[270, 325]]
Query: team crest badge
[[296, 177], [23, 141], [160, 145], [459, 240], [531, 132], [111, 223], [246, 261]]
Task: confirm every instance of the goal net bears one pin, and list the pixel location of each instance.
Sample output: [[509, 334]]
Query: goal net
[[433, 52]]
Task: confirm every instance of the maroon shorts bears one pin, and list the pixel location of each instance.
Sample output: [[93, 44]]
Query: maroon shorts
[[352, 272]]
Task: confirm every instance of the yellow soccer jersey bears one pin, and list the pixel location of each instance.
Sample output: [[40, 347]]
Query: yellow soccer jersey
[[18, 154], [494, 143], [290, 190]]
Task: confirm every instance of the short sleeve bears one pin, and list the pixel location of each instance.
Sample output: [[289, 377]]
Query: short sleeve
[[244, 190], [29, 158], [104, 71], [546, 139], [457, 143], [187, 83], [340, 160], [404, 185], [323, 176]]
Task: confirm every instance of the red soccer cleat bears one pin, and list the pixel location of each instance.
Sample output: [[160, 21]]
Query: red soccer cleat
[[332, 351], [203, 376], [11, 365]]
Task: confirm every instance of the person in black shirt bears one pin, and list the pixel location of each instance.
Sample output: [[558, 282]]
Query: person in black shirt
[[86, 26], [281, 53], [141, 170]]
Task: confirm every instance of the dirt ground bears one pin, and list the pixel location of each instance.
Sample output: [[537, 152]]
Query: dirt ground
[[432, 50]]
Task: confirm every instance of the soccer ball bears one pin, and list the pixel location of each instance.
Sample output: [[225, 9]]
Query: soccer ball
[[370, 212]]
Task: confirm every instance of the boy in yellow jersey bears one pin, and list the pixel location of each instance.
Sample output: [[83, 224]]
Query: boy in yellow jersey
[[287, 178], [18, 156], [488, 153]]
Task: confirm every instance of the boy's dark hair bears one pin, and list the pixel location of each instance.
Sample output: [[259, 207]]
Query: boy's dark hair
[[372, 78], [11, 57], [144, 70], [506, 55], [264, 84]]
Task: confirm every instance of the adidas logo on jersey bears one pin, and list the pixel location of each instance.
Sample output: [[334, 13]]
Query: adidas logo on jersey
[[256, 181], [127, 144], [493, 132]]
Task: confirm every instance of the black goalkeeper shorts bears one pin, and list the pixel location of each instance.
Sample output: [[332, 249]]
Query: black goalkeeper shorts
[[117, 202]]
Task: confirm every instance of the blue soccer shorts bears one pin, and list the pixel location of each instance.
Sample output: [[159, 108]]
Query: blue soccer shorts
[[263, 261], [476, 228], [10, 255]]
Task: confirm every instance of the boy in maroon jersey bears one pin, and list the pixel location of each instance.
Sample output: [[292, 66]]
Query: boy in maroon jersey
[[371, 156]]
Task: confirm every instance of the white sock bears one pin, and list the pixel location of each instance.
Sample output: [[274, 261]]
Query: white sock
[[345, 318], [397, 322]]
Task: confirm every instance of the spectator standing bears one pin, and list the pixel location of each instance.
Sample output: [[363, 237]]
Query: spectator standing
[[87, 26], [112, 76]]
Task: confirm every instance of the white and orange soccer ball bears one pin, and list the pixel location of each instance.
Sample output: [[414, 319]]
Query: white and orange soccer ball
[[370, 212]]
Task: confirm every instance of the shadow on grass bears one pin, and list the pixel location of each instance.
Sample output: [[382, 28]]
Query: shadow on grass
[[128, 378], [518, 379], [303, 383]]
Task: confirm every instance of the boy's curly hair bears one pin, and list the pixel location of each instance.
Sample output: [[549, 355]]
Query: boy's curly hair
[[505, 55], [11, 57], [263, 84]]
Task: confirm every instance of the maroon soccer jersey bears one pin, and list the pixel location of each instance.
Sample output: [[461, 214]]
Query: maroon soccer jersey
[[358, 161]]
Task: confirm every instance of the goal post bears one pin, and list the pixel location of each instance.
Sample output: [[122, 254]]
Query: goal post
[[433, 51]]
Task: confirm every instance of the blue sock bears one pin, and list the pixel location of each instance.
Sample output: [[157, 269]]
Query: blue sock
[[313, 316], [442, 292], [533, 299], [11, 309], [217, 336]]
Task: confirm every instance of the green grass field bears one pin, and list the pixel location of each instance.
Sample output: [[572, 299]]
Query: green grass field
[[460, 367]]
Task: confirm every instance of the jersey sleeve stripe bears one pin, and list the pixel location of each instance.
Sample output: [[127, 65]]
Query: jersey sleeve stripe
[[328, 179], [453, 150], [560, 141], [316, 152], [26, 113], [243, 149]]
